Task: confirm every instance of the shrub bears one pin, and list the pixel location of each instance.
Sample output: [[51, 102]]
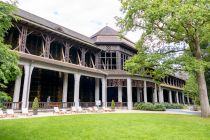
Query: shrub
[[173, 106], [159, 107], [135, 106], [35, 105], [149, 107], [113, 104], [4, 98]]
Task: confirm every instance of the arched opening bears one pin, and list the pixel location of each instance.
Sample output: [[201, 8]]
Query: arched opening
[[34, 44], [57, 50], [75, 55]]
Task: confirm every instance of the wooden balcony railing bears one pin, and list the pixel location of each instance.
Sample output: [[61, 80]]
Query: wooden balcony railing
[[51, 105]]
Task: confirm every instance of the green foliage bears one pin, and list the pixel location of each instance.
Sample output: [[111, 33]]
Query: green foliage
[[169, 20], [6, 16], [9, 69], [4, 98], [35, 105], [113, 104], [157, 107], [174, 32], [191, 88], [149, 107], [173, 106]]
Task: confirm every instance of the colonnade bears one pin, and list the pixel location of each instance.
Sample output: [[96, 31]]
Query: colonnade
[[28, 69], [157, 96]]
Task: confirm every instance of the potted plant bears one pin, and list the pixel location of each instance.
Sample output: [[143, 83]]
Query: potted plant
[[35, 106], [113, 105]]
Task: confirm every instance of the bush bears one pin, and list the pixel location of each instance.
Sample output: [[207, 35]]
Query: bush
[[159, 107], [4, 98], [113, 104], [35, 105], [173, 106], [149, 107], [135, 106]]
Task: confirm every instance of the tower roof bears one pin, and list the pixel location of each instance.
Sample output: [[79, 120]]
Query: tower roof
[[108, 35], [106, 31]]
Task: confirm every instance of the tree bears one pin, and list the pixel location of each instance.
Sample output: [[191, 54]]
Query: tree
[[169, 22], [35, 106], [9, 69], [113, 104], [191, 88]]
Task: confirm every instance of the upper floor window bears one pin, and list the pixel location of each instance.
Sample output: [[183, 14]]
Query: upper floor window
[[124, 57], [108, 60]]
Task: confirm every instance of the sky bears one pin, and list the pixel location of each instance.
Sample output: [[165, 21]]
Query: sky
[[83, 16]]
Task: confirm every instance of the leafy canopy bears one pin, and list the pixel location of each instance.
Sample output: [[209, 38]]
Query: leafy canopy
[[9, 69], [173, 30]]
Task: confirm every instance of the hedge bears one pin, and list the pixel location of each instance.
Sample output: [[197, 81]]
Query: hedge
[[156, 106], [149, 107]]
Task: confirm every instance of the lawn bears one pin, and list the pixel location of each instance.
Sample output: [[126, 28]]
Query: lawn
[[107, 127]]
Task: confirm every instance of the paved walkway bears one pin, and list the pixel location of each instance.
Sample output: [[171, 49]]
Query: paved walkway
[[168, 111]]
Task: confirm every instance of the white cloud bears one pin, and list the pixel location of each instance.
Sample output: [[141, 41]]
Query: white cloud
[[83, 16]]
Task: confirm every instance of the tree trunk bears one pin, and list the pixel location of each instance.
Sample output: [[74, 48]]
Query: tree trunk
[[202, 88], [205, 110]]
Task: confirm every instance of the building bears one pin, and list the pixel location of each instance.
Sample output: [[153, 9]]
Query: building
[[77, 70]]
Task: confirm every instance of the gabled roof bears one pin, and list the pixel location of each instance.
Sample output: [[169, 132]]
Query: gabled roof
[[106, 31], [31, 18], [108, 35]]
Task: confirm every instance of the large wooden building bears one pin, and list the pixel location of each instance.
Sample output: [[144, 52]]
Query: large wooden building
[[77, 70]]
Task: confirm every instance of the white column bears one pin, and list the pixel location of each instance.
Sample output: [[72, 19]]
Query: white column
[[160, 95], [104, 92], [177, 97], [129, 94], [26, 86], [76, 89], [138, 94], [119, 94], [155, 94], [141, 95], [183, 98], [16, 91], [188, 99], [65, 89], [170, 97], [145, 91], [96, 89]]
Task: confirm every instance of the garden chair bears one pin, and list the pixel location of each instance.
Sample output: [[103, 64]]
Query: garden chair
[[57, 110], [74, 109], [25, 112], [106, 109], [10, 112], [64, 111], [80, 110], [2, 115], [90, 109], [95, 109]]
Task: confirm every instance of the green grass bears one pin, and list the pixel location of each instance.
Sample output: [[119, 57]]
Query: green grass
[[107, 127]]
